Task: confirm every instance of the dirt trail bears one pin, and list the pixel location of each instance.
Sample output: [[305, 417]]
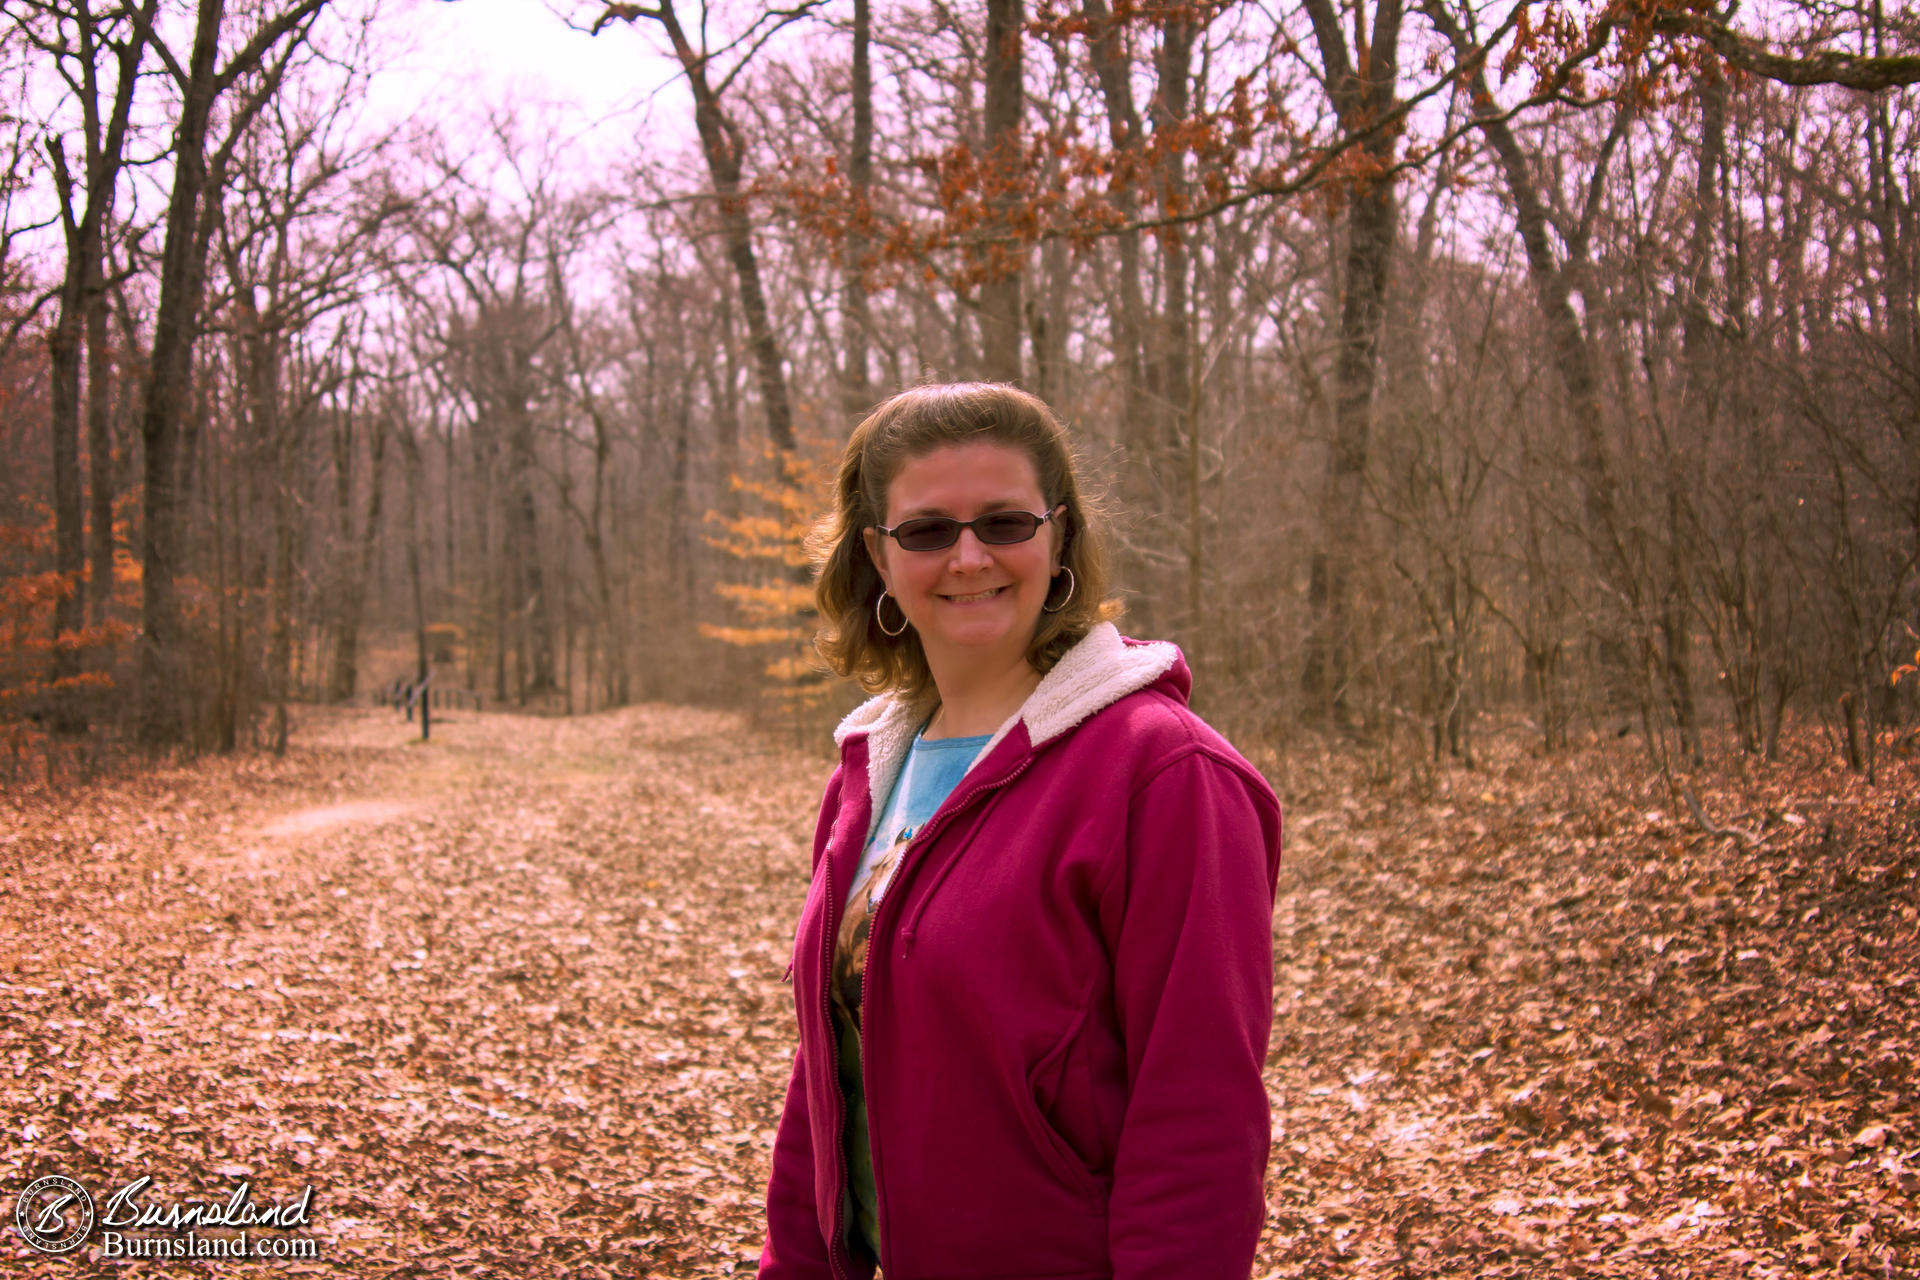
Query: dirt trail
[[308, 821]]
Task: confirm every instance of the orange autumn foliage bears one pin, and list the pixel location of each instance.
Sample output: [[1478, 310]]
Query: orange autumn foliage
[[775, 599], [29, 593]]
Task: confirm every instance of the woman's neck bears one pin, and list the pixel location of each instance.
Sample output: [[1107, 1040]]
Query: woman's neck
[[980, 702]]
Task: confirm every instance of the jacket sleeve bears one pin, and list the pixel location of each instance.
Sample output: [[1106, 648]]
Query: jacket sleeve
[[793, 1248], [1193, 986]]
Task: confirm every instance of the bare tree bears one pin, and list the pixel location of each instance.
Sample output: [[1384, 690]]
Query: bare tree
[[1361, 83], [297, 251], [97, 56], [1006, 98], [723, 147], [857, 325], [249, 76]]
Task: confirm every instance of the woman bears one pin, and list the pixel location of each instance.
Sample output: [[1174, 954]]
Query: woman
[[1034, 968]]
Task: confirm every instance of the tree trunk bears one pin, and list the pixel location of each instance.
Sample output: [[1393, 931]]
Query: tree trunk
[[856, 394], [1173, 335], [1699, 407], [345, 676], [63, 351], [410, 454], [99, 441], [721, 145], [83, 215], [1000, 315], [1170, 368], [1139, 485], [533, 596], [272, 480], [1362, 86], [169, 389]]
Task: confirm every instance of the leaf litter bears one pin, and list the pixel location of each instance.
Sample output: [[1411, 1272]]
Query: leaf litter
[[511, 1002]]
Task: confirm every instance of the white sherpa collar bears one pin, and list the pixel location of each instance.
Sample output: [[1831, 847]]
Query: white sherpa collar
[[1095, 673]]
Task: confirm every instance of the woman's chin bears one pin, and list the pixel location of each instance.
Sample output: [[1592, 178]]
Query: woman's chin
[[974, 636]]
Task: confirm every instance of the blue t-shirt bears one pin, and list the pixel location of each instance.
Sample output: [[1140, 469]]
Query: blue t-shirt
[[933, 769]]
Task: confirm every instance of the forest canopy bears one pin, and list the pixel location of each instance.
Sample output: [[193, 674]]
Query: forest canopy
[[1446, 365]]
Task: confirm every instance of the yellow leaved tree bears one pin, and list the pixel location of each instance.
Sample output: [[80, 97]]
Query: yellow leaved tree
[[773, 594]]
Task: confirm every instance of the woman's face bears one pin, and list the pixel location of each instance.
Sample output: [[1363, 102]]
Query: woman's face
[[974, 604]]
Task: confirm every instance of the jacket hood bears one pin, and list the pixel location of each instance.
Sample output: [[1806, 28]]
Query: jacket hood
[[1097, 672]]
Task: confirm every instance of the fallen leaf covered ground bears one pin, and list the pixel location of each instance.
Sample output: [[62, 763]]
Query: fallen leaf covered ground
[[1537, 1023], [511, 1003]]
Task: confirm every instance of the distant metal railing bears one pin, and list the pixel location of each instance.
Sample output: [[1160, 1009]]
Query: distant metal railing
[[410, 692]]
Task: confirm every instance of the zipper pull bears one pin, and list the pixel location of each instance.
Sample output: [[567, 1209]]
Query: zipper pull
[[906, 941], [788, 975]]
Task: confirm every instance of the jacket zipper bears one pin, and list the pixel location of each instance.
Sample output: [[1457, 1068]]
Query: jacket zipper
[[933, 826], [836, 1242]]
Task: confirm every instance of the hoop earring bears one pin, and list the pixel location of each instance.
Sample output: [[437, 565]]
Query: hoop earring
[[1072, 586], [882, 622]]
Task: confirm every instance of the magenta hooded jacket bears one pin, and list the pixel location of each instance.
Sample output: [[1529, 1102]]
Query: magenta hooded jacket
[[1068, 995]]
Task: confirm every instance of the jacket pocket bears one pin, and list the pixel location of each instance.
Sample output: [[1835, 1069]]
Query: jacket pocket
[[1046, 1080]]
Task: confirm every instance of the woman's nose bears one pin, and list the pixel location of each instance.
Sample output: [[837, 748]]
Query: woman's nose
[[970, 553]]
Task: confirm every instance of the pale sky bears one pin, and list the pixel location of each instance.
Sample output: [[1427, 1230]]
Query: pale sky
[[469, 54]]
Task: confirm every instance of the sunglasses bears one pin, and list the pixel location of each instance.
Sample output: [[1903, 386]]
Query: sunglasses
[[996, 528]]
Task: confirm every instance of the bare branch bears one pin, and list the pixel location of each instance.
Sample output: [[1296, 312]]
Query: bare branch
[[1821, 66]]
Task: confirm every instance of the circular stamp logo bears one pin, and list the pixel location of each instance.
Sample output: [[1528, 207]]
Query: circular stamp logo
[[54, 1214]]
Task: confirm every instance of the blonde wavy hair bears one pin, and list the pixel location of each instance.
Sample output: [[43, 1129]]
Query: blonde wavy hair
[[847, 585]]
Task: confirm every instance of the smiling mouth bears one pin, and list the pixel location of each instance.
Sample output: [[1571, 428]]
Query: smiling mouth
[[975, 597]]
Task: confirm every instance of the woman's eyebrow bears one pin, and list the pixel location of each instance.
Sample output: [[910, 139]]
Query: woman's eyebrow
[[990, 505]]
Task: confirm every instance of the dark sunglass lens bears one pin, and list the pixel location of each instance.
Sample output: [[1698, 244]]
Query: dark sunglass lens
[[1006, 526], [929, 534]]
